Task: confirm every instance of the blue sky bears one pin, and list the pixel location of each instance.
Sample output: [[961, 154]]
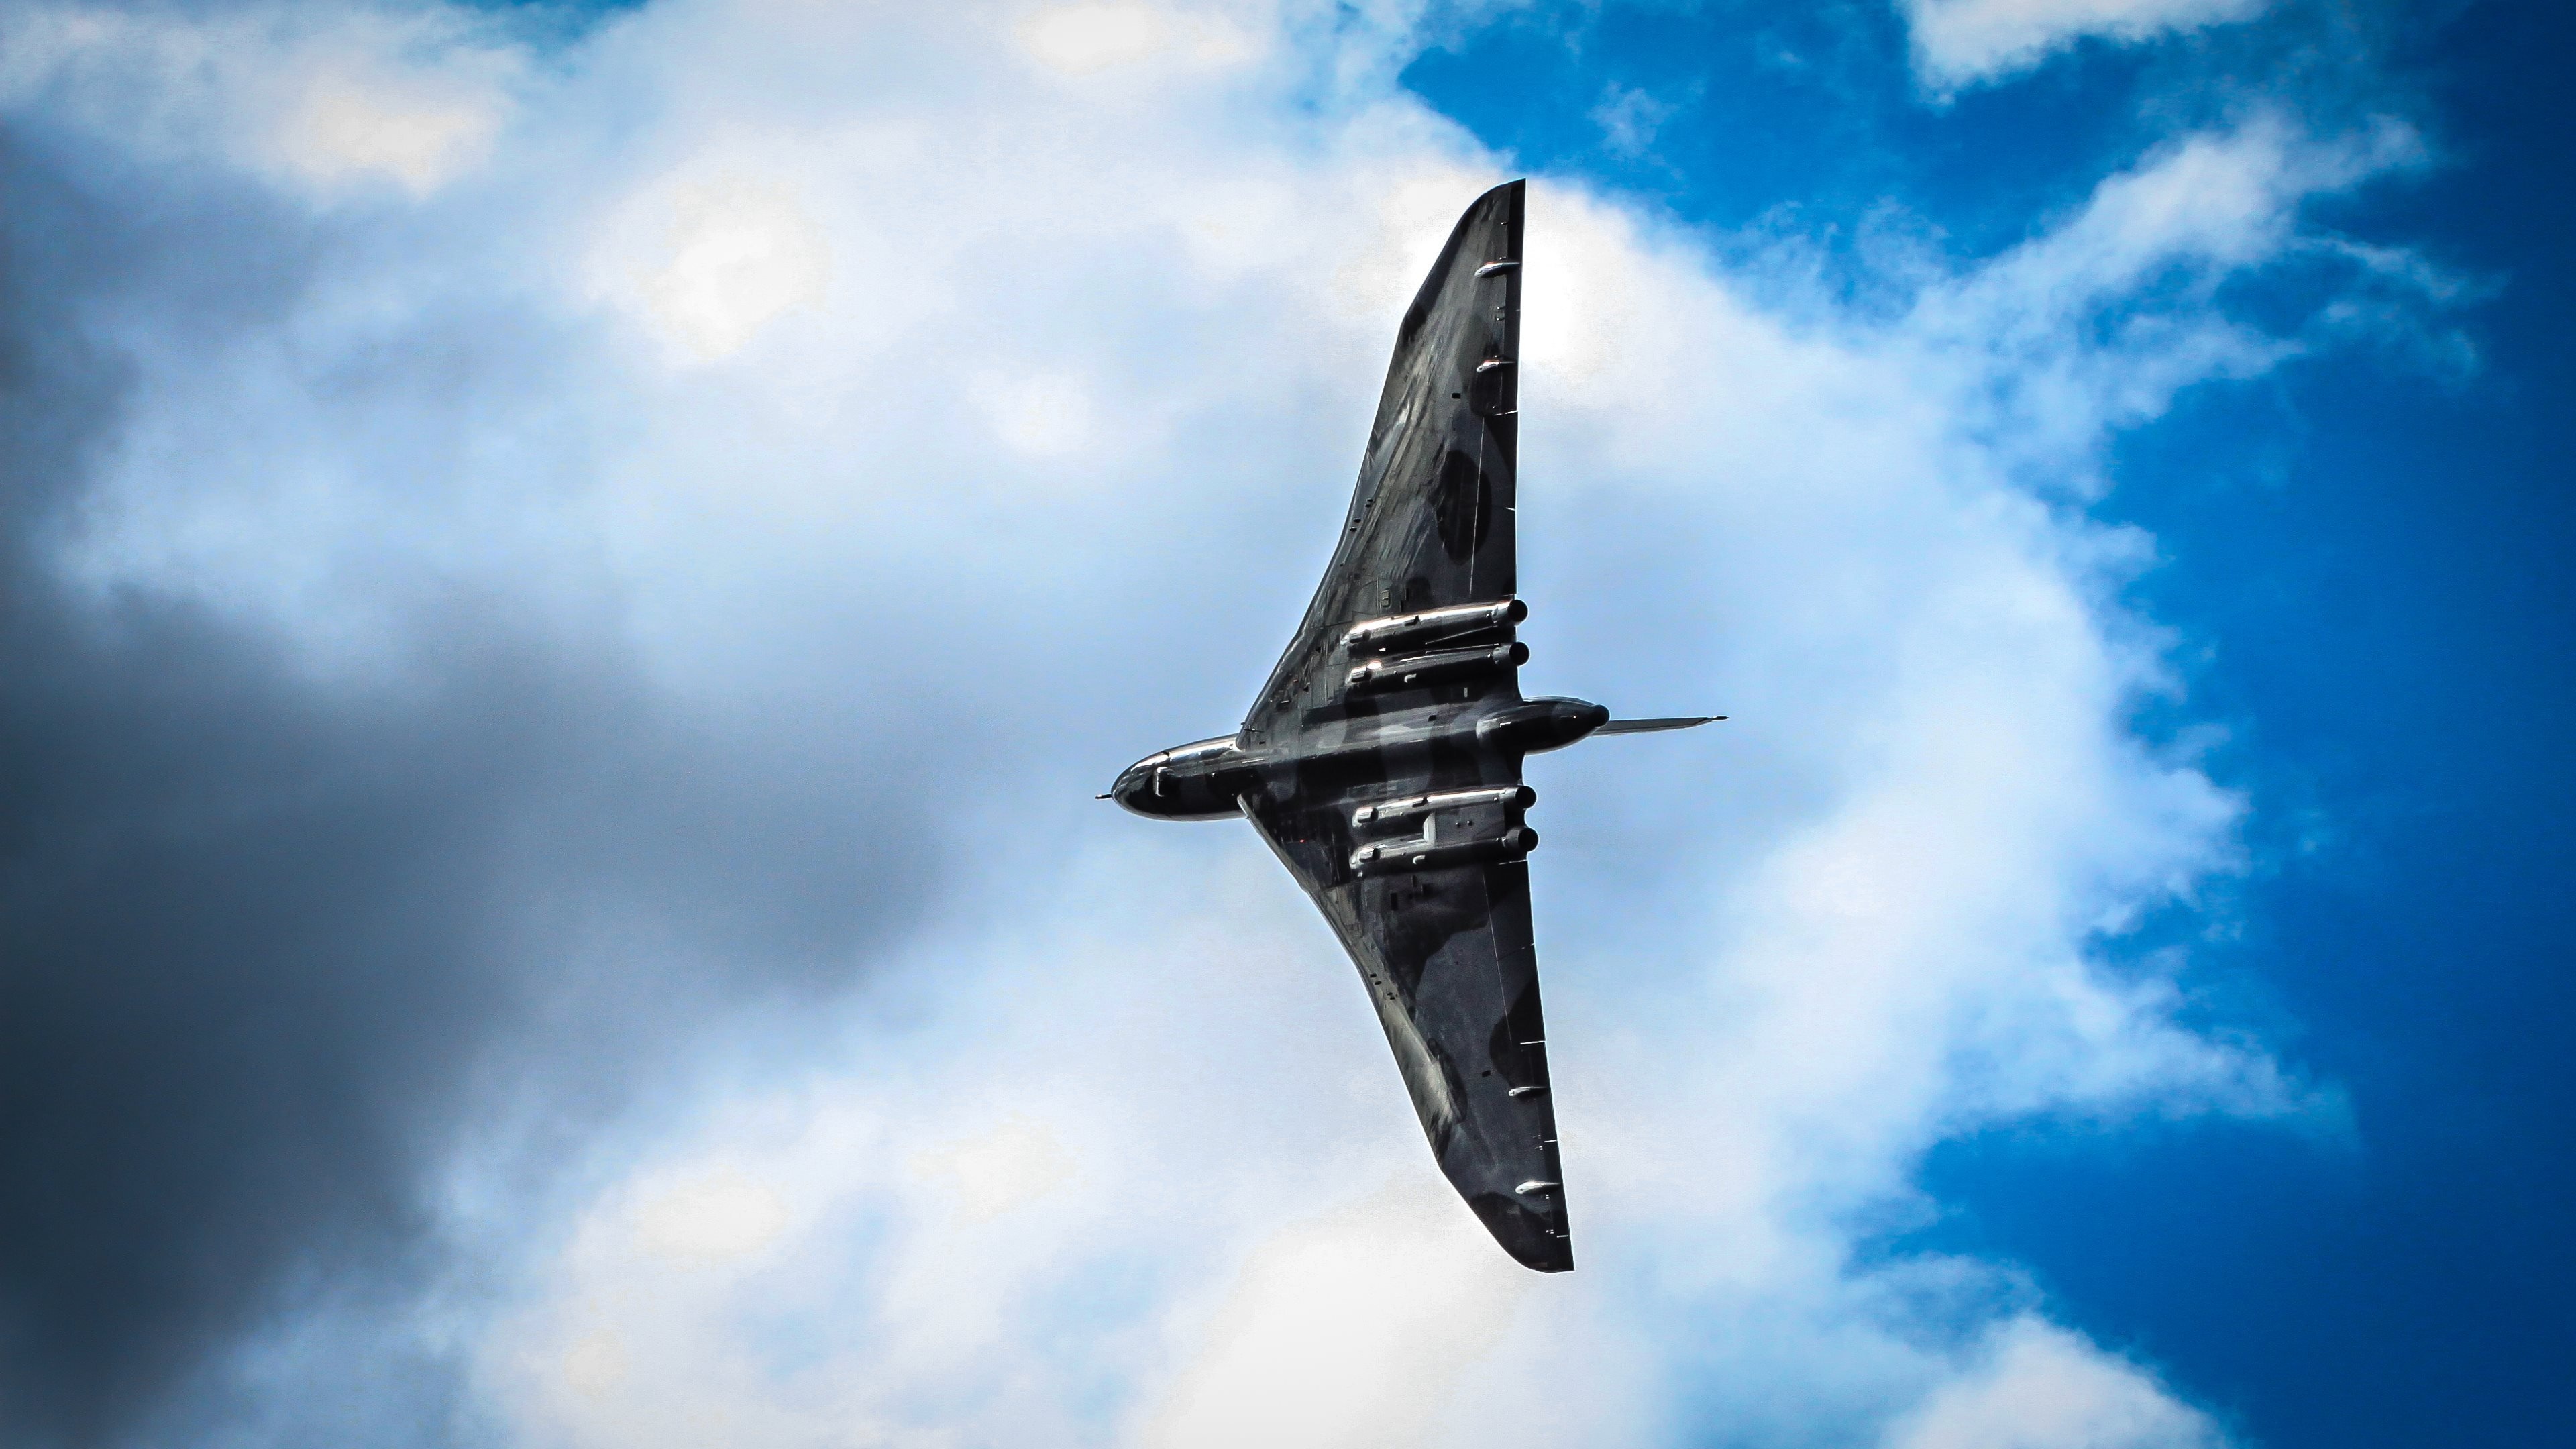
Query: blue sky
[[571, 575], [2362, 557]]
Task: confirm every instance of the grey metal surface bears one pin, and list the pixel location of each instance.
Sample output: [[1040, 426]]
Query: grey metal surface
[[1382, 760]]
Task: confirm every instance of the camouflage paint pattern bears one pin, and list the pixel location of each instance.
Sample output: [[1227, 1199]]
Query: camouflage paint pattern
[[1439, 922]]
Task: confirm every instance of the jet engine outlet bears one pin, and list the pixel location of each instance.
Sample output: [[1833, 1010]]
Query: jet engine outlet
[[1393, 857], [1396, 631], [1448, 664]]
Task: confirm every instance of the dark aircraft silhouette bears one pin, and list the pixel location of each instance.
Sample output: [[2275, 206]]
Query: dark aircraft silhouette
[[1382, 761]]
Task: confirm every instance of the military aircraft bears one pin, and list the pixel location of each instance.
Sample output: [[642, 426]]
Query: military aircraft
[[1382, 761]]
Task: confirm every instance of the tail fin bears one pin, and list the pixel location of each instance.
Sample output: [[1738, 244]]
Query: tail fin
[[1647, 726]]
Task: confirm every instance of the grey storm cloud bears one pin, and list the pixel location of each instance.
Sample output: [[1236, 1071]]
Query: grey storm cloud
[[267, 940]]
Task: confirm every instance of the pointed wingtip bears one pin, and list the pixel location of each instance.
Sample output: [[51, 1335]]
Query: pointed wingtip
[[1534, 1237]]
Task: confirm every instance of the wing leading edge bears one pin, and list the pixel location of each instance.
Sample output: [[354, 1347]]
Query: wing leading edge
[[1431, 518]]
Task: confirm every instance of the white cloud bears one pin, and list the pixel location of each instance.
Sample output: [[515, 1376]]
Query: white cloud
[[1964, 42], [1087, 40], [353, 126], [737, 255], [718, 1213], [331, 102], [1017, 1163], [834, 306], [1037, 412], [1629, 118], [2039, 1387], [1081, 38], [1382, 1300]]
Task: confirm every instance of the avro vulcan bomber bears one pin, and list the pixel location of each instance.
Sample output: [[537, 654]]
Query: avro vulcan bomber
[[1382, 761]]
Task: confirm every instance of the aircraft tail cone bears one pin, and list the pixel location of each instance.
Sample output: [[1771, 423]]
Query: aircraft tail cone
[[1649, 726]]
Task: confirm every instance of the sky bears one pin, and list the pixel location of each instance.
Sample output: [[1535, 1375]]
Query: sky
[[568, 575]]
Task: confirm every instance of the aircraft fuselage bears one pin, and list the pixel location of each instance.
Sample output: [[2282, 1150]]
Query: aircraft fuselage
[[1335, 758]]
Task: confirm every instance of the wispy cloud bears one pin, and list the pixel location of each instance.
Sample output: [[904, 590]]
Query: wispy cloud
[[1629, 118], [1961, 43]]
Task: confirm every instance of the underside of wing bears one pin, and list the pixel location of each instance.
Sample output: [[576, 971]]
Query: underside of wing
[[1380, 792], [1447, 956], [1431, 521]]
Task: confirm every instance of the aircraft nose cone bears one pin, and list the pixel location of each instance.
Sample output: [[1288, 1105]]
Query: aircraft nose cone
[[1134, 785]]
